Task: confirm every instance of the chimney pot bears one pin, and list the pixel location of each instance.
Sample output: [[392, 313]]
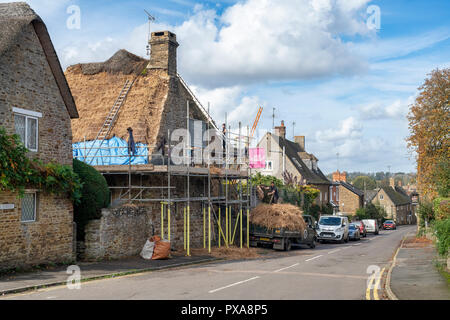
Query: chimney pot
[[281, 130]]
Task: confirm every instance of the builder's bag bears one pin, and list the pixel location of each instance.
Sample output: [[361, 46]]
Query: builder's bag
[[162, 248], [147, 251]]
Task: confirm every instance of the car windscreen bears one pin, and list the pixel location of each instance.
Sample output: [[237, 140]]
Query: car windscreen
[[352, 226], [330, 221]]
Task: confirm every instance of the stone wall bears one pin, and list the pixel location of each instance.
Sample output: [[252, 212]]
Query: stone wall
[[27, 82], [349, 202], [122, 232]]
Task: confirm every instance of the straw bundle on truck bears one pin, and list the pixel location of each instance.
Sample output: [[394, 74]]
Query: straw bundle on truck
[[278, 216]]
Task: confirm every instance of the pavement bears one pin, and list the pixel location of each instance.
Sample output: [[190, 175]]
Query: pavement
[[414, 275], [20, 282], [350, 271]]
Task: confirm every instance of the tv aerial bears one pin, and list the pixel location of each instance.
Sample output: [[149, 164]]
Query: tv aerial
[[150, 20]]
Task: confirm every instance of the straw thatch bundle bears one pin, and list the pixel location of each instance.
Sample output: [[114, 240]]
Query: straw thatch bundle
[[278, 216], [121, 62]]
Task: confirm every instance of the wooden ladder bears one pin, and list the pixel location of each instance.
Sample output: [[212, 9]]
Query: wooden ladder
[[110, 119]]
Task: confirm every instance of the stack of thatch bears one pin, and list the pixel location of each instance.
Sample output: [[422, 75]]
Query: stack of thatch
[[277, 216]]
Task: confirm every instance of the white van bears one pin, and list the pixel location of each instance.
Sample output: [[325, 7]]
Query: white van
[[332, 228], [371, 225]]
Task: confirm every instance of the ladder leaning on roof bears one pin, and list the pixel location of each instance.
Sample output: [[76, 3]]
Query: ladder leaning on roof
[[110, 119]]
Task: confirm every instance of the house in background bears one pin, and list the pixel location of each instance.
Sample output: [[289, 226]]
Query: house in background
[[396, 203], [350, 198], [35, 103], [283, 155]]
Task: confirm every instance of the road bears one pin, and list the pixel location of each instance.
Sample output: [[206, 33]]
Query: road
[[330, 271]]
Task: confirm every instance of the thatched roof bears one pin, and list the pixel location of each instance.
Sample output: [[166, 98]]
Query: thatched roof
[[153, 102], [121, 62], [16, 16]]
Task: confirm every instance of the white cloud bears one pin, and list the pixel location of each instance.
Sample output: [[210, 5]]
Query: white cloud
[[397, 109], [349, 128]]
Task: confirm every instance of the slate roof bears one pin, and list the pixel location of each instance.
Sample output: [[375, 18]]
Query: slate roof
[[369, 195], [396, 197], [14, 18], [292, 149], [352, 188]]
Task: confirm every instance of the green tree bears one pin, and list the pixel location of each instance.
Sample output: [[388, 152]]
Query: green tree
[[95, 196], [364, 183], [441, 177], [259, 179]]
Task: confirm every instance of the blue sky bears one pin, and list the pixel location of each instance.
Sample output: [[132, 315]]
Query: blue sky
[[346, 86]]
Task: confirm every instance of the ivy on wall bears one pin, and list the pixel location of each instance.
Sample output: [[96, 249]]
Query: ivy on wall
[[18, 172]]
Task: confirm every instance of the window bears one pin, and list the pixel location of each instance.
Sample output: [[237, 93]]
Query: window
[[381, 197], [26, 125], [269, 166], [29, 207]]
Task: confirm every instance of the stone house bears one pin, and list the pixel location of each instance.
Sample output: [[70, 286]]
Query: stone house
[[157, 102], [396, 203], [283, 155], [350, 197], [35, 103]]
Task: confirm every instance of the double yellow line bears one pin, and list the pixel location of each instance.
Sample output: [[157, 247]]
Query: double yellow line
[[375, 287]]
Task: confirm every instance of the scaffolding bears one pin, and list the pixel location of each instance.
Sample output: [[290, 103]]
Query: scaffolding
[[225, 215]]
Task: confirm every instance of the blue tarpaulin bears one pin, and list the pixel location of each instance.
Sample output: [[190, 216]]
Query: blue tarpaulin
[[112, 152]]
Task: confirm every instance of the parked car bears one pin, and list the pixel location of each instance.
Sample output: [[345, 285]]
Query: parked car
[[362, 228], [371, 225], [353, 232], [389, 225], [332, 228]]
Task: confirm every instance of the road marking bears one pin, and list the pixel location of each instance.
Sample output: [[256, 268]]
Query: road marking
[[372, 278], [334, 251], [357, 244], [314, 258], [346, 247], [377, 285], [234, 284], [286, 267]]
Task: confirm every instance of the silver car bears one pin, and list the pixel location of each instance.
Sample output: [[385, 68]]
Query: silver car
[[332, 228]]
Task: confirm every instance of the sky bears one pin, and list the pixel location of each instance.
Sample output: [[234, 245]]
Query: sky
[[345, 71]]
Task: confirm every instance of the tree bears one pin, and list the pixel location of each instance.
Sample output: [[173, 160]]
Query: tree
[[441, 177], [429, 124], [364, 183], [95, 196]]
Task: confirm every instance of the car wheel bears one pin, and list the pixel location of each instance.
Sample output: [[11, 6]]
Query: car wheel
[[312, 245], [287, 245]]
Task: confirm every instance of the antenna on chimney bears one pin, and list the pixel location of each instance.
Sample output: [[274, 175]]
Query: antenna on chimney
[[337, 157], [150, 20], [293, 129], [273, 118]]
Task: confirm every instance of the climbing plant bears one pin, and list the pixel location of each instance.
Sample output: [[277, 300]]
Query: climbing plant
[[18, 172]]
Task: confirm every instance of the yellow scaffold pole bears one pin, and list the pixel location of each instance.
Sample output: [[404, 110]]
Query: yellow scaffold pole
[[248, 228], [204, 228], [209, 229], [240, 221], [188, 232], [184, 228], [226, 226], [220, 229], [162, 220], [230, 241], [235, 228], [168, 222]]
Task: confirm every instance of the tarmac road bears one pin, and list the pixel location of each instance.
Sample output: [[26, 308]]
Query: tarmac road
[[330, 271]]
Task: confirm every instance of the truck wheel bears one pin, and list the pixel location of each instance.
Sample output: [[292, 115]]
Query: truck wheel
[[287, 245]]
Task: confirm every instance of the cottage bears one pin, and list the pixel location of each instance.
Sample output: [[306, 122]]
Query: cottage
[[283, 155], [396, 203], [35, 103], [150, 98], [350, 198]]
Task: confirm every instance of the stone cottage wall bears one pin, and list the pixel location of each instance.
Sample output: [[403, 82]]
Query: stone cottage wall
[[27, 82], [122, 232], [348, 201]]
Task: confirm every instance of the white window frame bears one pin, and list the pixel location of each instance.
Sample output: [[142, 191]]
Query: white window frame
[[28, 114], [266, 168], [381, 197], [35, 208]]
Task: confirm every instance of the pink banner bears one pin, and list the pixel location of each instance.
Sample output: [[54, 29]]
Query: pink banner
[[257, 158]]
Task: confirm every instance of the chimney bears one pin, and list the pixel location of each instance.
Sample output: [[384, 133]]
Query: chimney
[[339, 176], [281, 130], [300, 140], [392, 182], [164, 52]]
